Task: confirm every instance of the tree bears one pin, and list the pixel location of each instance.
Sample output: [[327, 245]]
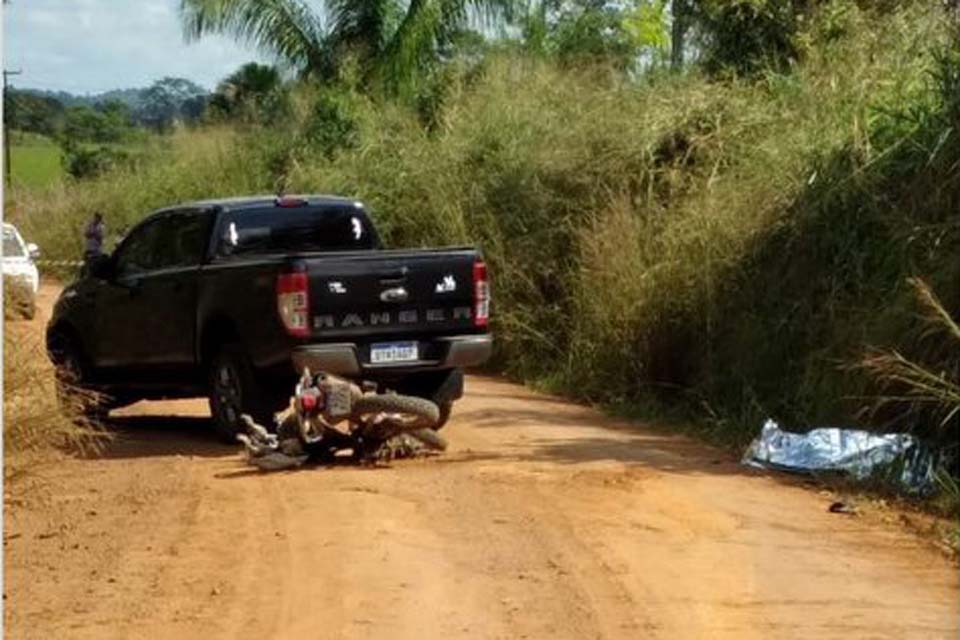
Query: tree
[[246, 91], [117, 120], [170, 99], [27, 112], [746, 35], [588, 31], [391, 40], [85, 123], [680, 11]]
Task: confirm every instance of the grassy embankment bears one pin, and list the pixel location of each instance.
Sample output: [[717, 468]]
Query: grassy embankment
[[726, 250]]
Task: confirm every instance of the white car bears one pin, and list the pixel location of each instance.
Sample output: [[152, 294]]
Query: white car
[[18, 263]]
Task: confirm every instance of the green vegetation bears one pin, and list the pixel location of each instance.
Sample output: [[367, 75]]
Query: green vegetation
[[723, 242], [35, 161], [247, 94]]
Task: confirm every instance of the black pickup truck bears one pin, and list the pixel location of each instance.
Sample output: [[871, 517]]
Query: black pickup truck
[[232, 298]]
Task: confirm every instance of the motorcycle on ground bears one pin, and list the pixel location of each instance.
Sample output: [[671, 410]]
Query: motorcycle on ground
[[329, 417]]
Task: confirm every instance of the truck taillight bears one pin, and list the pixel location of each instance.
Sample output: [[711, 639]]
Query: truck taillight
[[481, 294], [293, 303]]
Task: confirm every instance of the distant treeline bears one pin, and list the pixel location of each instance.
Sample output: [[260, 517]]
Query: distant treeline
[[105, 117]]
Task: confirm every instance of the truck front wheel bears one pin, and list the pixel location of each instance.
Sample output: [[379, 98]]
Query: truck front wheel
[[234, 391]]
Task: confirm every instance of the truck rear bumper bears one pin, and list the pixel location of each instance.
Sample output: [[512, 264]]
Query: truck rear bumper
[[345, 358]]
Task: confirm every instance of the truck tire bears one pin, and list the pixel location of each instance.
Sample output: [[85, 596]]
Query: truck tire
[[234, 391]]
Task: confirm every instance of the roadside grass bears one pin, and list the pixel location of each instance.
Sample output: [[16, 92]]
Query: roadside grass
[[929, 389], [33, 424], [18, 300]]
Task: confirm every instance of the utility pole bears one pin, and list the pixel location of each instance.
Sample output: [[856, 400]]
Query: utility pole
[[6, 129]]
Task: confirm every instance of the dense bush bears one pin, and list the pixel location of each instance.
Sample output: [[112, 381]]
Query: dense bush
[[83, 161]]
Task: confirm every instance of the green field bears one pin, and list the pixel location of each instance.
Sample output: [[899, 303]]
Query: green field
[[35, 163]]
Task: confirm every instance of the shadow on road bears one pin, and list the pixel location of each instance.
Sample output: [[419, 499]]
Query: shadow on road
[[158, 435], [547, 431]]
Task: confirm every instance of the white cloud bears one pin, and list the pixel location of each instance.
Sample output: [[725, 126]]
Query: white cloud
[[89, 46]]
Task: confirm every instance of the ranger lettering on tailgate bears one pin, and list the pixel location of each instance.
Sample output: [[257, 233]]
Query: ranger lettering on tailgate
[[387, 318]]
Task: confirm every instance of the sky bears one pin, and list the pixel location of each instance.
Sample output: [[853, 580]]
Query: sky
[[91, 46]]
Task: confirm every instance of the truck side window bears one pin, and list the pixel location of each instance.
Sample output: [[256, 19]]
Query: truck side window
[[185, 238], [140, 251]]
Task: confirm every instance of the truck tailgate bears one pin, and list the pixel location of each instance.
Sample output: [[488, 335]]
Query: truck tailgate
[[383, 294]]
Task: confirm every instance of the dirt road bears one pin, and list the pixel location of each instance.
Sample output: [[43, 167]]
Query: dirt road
[[545, 520]]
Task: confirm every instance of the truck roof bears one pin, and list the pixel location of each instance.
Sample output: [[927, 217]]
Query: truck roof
[[249, 202]]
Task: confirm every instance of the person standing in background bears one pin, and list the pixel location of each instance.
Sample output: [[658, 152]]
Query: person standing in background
[[93, 237]]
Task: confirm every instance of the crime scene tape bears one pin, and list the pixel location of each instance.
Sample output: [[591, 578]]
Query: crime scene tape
[[59, 263]]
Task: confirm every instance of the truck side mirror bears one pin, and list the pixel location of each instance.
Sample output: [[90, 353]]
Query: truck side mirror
[[33, 251]]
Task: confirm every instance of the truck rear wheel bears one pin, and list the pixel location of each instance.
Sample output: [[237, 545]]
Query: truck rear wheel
[[234, 391]]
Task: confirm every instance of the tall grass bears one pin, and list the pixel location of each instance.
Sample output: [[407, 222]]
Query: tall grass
[[721, 246], [33, 422], [928, 389]]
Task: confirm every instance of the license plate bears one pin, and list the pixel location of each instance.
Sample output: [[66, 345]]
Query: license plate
[[387, 352], [338, 399]]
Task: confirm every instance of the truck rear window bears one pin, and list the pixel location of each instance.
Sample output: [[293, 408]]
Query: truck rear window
[[296, 230]]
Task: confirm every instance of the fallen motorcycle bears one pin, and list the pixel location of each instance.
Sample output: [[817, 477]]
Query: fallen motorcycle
[[329, 416]]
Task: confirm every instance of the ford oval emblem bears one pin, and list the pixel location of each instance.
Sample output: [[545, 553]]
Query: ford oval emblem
[[397, 294]]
